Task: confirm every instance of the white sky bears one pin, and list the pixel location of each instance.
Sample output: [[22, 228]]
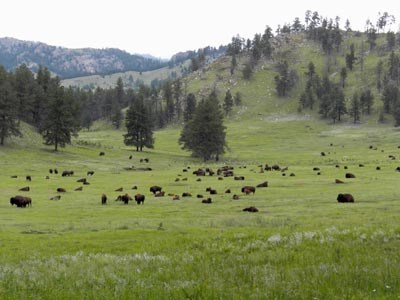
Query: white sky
[[165, 27]]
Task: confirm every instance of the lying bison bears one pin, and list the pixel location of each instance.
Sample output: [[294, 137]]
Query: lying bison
[[21, 201], [250, 209], [206, 201], [345, 198], [350, 175], [139, 198], [263, 184]]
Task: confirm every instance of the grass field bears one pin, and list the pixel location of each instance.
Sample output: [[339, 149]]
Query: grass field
[[301, 244]]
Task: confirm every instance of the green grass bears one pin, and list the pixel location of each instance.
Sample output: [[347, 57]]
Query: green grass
[[301, 244]]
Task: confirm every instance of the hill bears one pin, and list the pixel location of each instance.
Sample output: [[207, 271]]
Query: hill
[[68, 63]]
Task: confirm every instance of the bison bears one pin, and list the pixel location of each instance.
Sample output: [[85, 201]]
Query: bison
[[206, 201], [124, 198], [119, 189], [139, 198], [78, 189], [90, 173], [57, 197], [24, 189], [159, 194], [263, 184], [350, 175], [154, 189], [103, 199], [21, 201], [250, 209], [28, 178], [102, 153], [345, 198], [61, 190], [67, 173], [248, 189]]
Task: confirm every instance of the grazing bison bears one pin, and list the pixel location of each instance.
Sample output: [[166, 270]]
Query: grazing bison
[[139, 198], [134, 187], [228, 191], [61, 190], [248, 189], [206, 201], [250, 209], [199, 172], [124, 198], [21, 201], [397, 169], [345, 198], [154, 189], [378, 168], [90, 173], [57, 197], [263, 184], [316, 169], [51, 171], [24, 189], [130, 156], [67, 173], [55, 171], [350, 175], [102, 153], [103, 199], [28, 178]]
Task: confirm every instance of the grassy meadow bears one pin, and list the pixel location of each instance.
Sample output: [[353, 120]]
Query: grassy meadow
[[301, 244]]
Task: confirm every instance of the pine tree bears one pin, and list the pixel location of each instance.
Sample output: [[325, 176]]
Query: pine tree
[[139, 126], [355, 109], [238, 99], [190, 107], [228, 102], [204, 135], [8, 110], [62, 120]]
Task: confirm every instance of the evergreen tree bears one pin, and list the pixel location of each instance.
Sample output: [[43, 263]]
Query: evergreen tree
[[350, 58], [8, 110], [139, 126], [379, 74], [228, 102], [190, 107], [343, 76], [238, 99], [338, 106], [366, 101], [204, 135], [247, 71], [355, 109], [24, 87], [233, 64], [62, 120], [390, 96], [283, 81]]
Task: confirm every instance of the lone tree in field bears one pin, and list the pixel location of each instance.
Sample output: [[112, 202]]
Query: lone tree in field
[[62, 119], [139, 125], [8, 109], [204, 134]]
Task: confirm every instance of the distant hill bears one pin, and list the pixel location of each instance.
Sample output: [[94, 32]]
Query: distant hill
[[69, 63]]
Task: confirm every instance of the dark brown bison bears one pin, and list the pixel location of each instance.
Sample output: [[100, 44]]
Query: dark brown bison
[[124, 198], [344, 198], [248, 189], [199, 196], [186, 194], [206, 201], [57, 197], [350, 175], [250, 209], [159, 194], [103, 199], [238, 178], [154, 189], [83, 180], [102, 153], [228, 191], [28, 178], [21, 201], [67, 173], [263, 184], [199, 172], [235, 197], [24, 189], [61, 190], [51, 171], [338, 181], [90, 173], [397, 169], [119, 189], [139, 198]]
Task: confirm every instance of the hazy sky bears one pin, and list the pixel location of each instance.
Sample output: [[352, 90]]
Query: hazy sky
[[165, 27]]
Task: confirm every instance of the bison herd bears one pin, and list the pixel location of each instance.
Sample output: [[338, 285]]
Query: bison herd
[[221, 173]]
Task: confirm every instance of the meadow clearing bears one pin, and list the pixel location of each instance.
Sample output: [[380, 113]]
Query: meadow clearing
[[301, 244]]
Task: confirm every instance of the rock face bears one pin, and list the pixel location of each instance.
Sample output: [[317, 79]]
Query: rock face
[[68, 63]]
